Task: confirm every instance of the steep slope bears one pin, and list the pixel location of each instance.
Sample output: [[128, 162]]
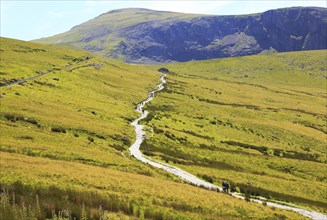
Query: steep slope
[[64, 140], [146, 36]]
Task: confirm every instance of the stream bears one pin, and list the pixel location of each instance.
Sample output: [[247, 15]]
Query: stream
[[135, 151]]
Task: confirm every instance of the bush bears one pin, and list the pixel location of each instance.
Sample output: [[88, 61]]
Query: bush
[[91, 139], [10, 117], [236, 189], [26, 137], [117, 147], [15, 118], [207, 178], [163, 70], [247, 197], [31, 121], [126, 141], [58, 130]]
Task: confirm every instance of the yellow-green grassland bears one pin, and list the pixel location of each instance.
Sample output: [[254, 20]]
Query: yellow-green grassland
[[257, 121], [65, 136]]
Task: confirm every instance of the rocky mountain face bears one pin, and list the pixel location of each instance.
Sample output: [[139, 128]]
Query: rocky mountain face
[[146, 36]]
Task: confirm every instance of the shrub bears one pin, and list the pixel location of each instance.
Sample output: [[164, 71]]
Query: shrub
[[31, 121], [247, 198], [126, 141], [117, 147], [270, 152], [15, 118], [58, 130], [163, 70], [26, 137], [236, 189], [91, 139], [100, 136], [207, 178], [10, 117]]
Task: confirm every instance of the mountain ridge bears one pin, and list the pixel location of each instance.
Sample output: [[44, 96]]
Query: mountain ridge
[[146, 36]]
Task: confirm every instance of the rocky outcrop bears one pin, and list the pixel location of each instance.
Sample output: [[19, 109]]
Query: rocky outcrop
[[178, 37]]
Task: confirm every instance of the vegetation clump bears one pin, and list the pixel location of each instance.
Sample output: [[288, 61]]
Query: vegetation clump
[[16, 118], [58, 130], [163, 70]]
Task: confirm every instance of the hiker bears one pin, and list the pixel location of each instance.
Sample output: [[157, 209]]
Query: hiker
[[227, 187], [224, 186]]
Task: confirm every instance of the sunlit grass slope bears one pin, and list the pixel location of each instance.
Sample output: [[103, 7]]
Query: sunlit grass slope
[[78, 113], [35, 59], [257, 121], [133, 194], [64, 144]]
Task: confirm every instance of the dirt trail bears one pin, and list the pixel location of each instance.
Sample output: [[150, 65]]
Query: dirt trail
[[44, 73], [135, 151]]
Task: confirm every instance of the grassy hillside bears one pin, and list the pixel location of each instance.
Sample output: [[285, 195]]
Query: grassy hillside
[[109, 22], [65, 138], [139, 35], [78, 113], [257, 121], [103, 33]]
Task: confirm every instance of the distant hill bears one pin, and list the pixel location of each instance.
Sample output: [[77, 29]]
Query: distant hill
[[147, 36]]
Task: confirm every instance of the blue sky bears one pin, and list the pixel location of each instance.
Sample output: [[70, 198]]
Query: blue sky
[[27, 20]]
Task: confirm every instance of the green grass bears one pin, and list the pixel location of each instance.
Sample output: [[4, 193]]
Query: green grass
[[65, 138], [257, 121], [34, 59], [86, 104], [68, 185], [103, 33], [108, 23]]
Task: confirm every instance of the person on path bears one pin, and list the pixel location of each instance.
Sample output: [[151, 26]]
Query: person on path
[[225, 186]]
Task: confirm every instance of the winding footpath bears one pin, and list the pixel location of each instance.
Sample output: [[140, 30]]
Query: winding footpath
[[135, 151], [10, 83]]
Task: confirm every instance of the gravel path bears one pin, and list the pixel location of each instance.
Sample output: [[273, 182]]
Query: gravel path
[[135, 151]]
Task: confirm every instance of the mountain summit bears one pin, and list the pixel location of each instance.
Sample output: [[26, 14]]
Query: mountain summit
[[147, 36]]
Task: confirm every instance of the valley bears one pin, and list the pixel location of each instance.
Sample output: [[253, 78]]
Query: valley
[[64, 145], [143, 114]]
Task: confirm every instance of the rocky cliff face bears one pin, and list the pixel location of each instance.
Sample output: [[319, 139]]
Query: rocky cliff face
[[168, 37]]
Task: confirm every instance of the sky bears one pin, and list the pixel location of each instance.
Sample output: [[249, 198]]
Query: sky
[[28, 20]]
